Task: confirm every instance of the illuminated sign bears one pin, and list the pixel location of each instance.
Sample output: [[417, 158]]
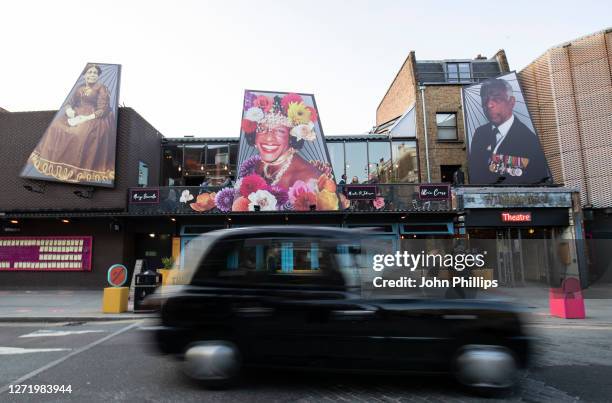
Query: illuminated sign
[[356, 192], [69, 253], [434, 192], [142, 196], [515, 217]]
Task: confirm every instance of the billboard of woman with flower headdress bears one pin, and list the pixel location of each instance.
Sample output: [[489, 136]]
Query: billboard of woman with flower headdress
[[283, 161]]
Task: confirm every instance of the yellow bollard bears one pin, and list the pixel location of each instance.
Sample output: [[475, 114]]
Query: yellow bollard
[[115, 299]]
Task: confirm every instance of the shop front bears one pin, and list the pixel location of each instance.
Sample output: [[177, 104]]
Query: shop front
[[530, 232]]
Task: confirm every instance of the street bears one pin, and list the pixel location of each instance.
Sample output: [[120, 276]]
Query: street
[[115, 361]]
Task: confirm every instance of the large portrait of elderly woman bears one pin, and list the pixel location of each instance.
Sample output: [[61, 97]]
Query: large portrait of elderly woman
[[283, 161], [79, 144]]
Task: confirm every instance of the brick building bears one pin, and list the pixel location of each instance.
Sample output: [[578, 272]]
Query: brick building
[[434, 86], [31, 209]]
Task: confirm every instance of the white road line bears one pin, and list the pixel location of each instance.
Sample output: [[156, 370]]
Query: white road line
[[18, 350], [62, 359], [58, 333]]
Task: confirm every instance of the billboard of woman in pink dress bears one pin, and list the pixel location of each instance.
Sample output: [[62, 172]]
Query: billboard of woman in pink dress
[[80, 143]]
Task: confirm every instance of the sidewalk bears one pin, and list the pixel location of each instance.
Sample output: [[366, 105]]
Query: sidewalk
[[57, 306], [86, 305]]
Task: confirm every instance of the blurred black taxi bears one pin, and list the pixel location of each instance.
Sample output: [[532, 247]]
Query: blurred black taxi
[[292, 296]]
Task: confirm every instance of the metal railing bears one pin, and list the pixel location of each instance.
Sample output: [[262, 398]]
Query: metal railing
[[201, 200]]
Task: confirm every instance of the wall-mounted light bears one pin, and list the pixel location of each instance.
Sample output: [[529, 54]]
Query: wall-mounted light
[[14, 222], [173, 219], [66, 221], [152, 235], [531, 231]]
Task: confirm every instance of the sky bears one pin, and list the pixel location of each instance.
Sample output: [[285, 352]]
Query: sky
[[186, 64]]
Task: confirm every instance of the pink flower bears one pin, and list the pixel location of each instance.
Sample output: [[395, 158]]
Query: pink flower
[[289, 99], [313, 114], [302, 195], [378, 203], [248, 126], [252, 183], [263, 102]]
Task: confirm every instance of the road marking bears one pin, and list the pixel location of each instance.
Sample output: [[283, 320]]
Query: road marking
[[62, 359], [17, 350], [58, 333]]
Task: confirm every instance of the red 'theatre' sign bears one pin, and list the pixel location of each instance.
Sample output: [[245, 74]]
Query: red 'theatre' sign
[[515, 217]]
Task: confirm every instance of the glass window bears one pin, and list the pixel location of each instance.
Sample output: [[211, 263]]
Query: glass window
[[336, 156], [381, 168], [356, 163], [282, 261], [447, 126], [405, 164], [458, 72], [217, 163], [195, 158], [172, 165]]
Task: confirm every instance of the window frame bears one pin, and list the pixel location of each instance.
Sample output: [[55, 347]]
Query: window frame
[[456, 127]]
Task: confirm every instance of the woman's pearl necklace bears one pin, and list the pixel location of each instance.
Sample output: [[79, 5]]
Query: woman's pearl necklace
[[285, 161]]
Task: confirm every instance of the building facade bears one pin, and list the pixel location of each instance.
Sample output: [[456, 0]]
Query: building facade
[[434, 86], [568, 90]]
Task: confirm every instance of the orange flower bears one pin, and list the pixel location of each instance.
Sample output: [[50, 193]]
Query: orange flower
[[325, 183], [327, 200], [240, 204], [304, 200], [204, 202]]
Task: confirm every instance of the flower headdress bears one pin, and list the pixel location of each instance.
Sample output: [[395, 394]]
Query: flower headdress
[[263, 112]]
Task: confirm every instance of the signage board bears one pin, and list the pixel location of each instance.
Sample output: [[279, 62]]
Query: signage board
[[117, 275], [432, 192], [144, 196], [61, 253], [514, 216], [360, 192]]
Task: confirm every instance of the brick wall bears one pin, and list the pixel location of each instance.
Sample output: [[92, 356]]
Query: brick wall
[[19, 135], [401, 93], [440, 98]]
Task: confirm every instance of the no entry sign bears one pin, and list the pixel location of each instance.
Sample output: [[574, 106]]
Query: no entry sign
[[117, 275]]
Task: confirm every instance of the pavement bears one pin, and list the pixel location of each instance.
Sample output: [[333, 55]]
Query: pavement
[[39, 305]]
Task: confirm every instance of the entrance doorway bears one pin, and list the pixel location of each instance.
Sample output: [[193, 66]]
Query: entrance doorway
[[522, 255]]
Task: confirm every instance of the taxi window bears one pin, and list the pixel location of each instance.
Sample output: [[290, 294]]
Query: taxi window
[[272, 261]]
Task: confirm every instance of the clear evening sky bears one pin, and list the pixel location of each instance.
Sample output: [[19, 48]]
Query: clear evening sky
[[187, 63]]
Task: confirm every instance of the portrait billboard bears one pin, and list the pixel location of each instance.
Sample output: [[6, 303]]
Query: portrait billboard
[[79, 144], [503, 147], [283, 163]]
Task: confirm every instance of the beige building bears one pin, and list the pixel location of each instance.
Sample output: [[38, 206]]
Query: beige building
[[568, 90], [434, 86]]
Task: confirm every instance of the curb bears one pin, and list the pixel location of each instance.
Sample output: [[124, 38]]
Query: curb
[[59, 319]]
